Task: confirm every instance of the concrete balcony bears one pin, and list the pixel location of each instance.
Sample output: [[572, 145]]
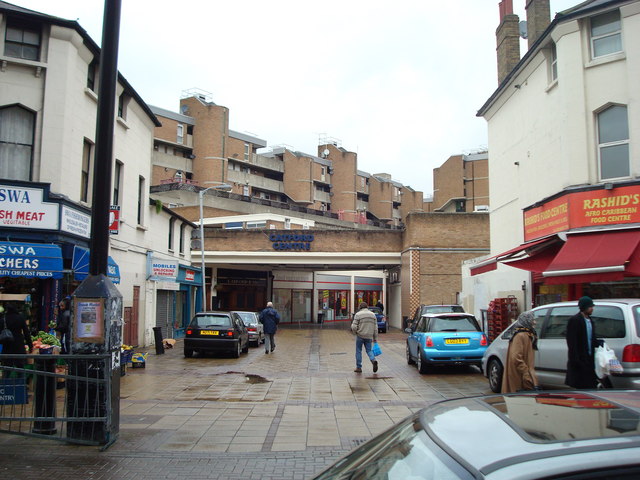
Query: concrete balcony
[[396, 214], [360, 205], [361, 189], [178, 162], [255, 181], [322, 196], [263, 162]]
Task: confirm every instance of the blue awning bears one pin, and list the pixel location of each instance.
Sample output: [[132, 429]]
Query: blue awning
[[34, 260], [80, 265]]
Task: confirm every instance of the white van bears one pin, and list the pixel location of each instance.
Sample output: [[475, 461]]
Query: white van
[[617, 321]]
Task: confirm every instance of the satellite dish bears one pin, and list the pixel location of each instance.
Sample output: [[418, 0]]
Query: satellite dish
[[523, 29], [326, 152]]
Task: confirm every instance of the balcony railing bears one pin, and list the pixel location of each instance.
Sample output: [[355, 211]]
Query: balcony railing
[[255, 181]]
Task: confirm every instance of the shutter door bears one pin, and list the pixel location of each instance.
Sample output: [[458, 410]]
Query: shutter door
[[164, 309]]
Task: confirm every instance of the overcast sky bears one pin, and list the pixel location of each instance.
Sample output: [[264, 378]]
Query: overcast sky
[[399, 82]]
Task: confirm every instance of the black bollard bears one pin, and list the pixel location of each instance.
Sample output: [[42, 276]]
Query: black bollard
[[157, 335], [45, 397]]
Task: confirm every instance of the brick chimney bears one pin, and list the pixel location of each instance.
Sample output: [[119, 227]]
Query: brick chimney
[[508, 40], [538, 19]]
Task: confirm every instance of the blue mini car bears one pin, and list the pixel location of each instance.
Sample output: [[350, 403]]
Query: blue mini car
[[445, 339], [383, 325]]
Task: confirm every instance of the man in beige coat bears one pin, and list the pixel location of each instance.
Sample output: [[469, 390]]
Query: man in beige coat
[[519, 369], [365, 327]]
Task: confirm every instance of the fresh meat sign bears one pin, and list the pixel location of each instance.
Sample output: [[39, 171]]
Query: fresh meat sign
[[22, 207]]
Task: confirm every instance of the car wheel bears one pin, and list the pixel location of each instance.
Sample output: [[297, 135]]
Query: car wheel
[[385, 329], [246, 347], [238, 350], [188, 353], [410, 360], [494, 373], [421, 362]]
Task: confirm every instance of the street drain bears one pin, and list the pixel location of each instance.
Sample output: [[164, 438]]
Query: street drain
[[376, 377], [338, 353]]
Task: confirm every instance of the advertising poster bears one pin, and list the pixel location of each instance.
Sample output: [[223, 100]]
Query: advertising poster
[[89, 321]]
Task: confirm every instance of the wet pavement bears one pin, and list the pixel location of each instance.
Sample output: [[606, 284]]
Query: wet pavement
[[284, 415]]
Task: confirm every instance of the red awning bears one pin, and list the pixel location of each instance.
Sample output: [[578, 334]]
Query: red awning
[[539, 260], [492, 263], [595, 257]]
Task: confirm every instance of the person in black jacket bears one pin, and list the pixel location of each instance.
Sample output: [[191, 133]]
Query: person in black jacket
[[581, 343], [63, 324], [270, 318], [21, 337]]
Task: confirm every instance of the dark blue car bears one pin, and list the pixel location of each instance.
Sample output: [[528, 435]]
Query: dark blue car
[[383, 325]]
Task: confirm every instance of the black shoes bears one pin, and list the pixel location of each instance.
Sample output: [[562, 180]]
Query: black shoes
[[375, 366]]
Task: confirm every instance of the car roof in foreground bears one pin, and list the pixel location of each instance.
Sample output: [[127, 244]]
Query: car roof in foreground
[[596, 301], [448, 315], [495, 432]]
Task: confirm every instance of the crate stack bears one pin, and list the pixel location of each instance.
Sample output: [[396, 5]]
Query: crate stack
[[500, 314]]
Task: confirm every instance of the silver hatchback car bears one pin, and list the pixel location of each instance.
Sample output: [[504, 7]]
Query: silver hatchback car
[[617, 321]]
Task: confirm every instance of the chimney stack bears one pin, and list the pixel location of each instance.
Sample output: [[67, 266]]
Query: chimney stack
[[538, 19], [508, 40]]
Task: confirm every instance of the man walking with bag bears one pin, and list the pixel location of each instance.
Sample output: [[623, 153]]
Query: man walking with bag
[[365, 327], [270, 318], [581, 343]]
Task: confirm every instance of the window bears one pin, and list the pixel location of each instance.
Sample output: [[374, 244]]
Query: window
[[613, 142], [245, 190], [123, 102], [554, 63], [180, 133], [16, 142], [606, 34], [141, 197], [91, 75], [257, 224], [461, 206], [247, 150], [181, 240], [87, 153], [172, 224], [117, 181], [287, 224], [22, 40]]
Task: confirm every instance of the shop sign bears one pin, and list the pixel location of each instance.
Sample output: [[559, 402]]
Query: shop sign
[[164, 269], [291, 241], [114, 219], [190, 276], [583, 209], [75, 222], [32, 260], [22, 207]]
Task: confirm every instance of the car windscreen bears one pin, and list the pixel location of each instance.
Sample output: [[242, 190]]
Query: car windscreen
[[376, 310], [443, 309], [453, 324], [247, 317], [204, 321]]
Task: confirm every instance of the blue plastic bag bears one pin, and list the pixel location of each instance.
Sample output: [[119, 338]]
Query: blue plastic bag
[[376, 349]]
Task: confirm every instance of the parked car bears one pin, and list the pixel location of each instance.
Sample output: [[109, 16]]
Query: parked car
[[616, 321], [445, 339], [524, 436], [422, 309], [254, 327], [216, 332], [383, 325]]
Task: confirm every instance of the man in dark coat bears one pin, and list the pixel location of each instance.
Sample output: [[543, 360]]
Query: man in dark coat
[[21, 337], [581, 343], [64, 322], [270, 318]]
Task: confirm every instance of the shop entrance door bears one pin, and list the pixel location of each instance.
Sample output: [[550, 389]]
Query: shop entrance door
[[301, 306], [164, 311]]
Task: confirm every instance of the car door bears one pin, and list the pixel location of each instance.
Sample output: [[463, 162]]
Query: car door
[[241, 329], [551, 357], [415, 337]]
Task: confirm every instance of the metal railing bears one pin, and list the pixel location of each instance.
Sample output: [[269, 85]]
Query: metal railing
[[59, 397]]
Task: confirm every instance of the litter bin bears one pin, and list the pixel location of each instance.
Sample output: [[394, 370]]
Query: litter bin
[[321, 317], [157, 335]]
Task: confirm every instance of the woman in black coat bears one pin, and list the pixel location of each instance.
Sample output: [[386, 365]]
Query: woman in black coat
[[21, 337]]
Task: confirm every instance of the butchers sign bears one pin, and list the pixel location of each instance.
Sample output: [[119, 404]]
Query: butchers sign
[[22, 207]]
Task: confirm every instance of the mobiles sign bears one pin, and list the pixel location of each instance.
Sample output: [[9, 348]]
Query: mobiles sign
[[291, 241]]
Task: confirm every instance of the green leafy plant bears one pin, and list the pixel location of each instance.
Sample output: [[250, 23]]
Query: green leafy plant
[[46, 339]]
